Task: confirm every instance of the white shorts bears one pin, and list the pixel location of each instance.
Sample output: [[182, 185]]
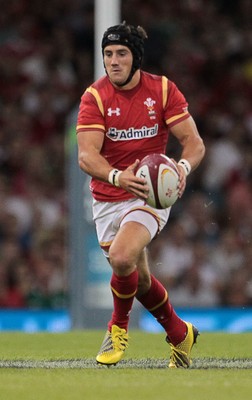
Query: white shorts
[[109, 217]]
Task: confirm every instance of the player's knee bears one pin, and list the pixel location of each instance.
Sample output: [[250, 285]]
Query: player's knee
[[121, 262]]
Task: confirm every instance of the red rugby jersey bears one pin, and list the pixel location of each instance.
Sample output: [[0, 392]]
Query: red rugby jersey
[[134, 123]]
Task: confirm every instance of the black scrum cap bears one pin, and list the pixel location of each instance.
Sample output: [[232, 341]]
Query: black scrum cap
[[130, 36]]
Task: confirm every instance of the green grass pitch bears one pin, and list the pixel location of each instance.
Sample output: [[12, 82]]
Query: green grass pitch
[[62, 366]]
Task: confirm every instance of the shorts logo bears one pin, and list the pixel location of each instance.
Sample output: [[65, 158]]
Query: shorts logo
[[132, 133], [116, 111]]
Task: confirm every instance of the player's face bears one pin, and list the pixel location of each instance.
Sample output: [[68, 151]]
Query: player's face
[[118, 61]]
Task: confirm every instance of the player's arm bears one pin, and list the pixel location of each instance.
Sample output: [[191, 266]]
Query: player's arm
[[193, 148], [93, 163], [89, 157]]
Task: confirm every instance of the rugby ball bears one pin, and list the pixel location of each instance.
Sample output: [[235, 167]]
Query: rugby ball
[[162, 177]]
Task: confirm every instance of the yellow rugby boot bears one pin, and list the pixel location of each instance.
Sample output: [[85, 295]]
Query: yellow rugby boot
[[113, 346], [180, 354]]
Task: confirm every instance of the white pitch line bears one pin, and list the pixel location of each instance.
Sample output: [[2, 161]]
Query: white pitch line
[[147, 363]]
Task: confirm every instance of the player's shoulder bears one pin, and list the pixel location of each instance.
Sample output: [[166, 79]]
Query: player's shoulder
[[101, 83], [154, 77], [98, 89], [156, 80], [148, 77], [98, 85]]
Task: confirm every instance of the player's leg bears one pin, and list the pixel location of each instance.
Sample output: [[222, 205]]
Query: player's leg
[[124, 254], [155, 299], [152, 295]]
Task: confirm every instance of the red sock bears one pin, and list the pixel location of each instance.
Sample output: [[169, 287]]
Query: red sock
[[156, 301], [123, 290]]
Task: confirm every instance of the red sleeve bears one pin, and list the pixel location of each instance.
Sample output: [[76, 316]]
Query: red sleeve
[[89, 116], [176, 109]]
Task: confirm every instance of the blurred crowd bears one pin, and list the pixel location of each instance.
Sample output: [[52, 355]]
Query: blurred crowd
[[204, 255]]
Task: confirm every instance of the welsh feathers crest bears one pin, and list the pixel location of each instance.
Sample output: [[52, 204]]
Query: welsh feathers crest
[[149, 102]]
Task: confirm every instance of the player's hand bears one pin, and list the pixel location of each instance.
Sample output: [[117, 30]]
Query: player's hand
[[182, 179], [132, 184]]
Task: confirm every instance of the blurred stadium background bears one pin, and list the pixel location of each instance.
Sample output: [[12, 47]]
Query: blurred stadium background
[[52, 273]]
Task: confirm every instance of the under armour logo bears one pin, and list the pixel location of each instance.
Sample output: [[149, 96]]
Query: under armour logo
[[117, 111]]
